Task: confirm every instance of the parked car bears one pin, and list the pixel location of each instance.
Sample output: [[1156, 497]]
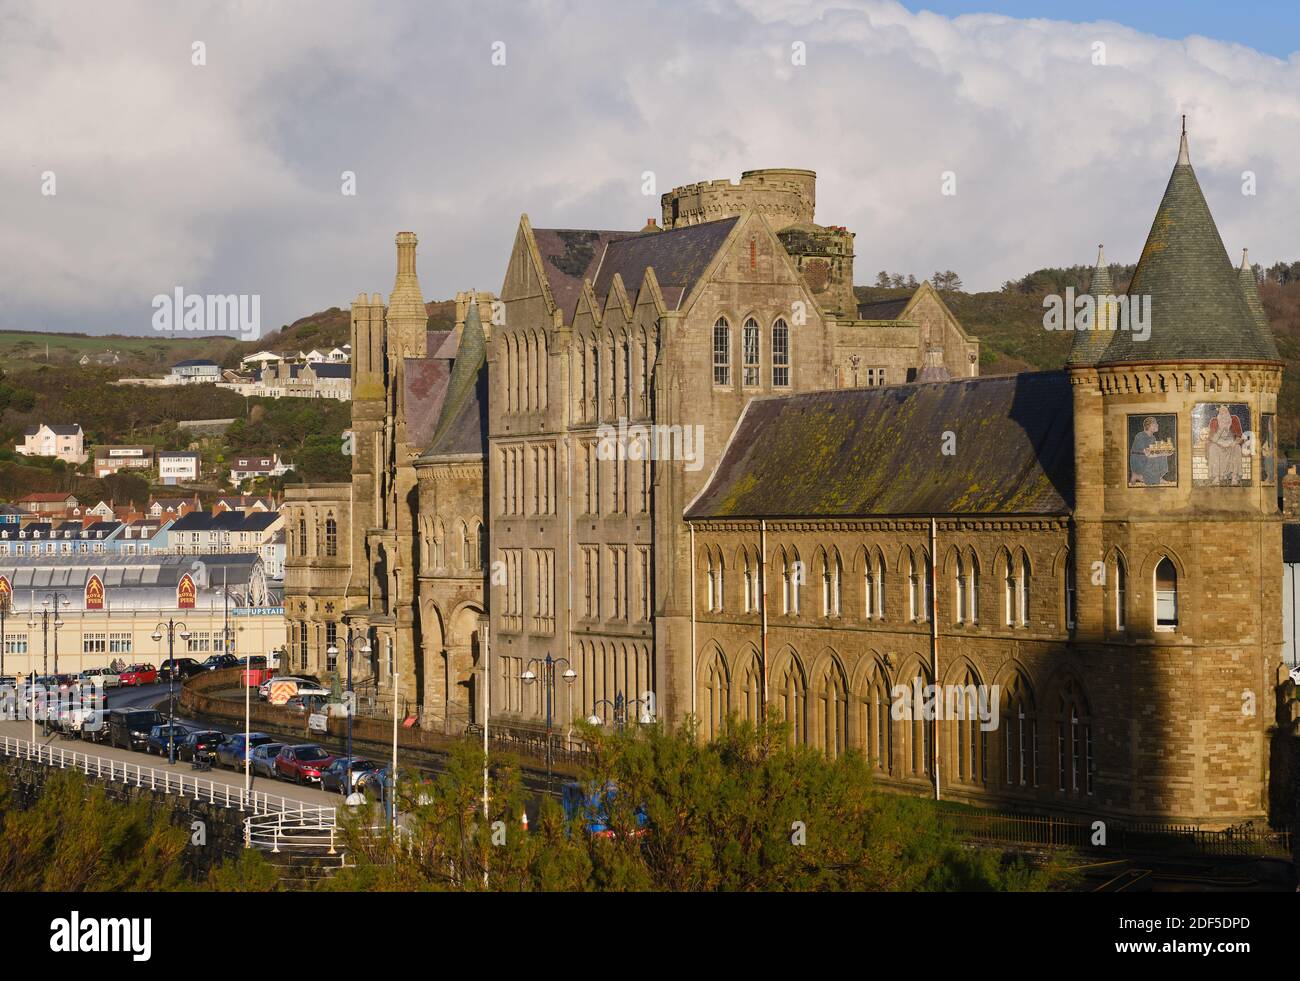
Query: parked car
[[231, 753], [335, 776], [264, 689], [129, 728], [178, 668], [104, 676], [302, 763], [587, 805], [8, 681], [159, 735], [139, 674], [200, 745], [307, 704], [219, 661], [264, 759]]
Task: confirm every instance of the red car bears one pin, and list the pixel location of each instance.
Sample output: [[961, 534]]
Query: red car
[[302, 763], [139, 674]]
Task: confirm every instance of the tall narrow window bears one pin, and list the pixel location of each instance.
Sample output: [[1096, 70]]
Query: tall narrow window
[[1166, 596], [913, 589], [1121, 595], [780, 354], [880, 586], [837, 579], [868, 587], [1071, 594], [749, 350], [826, 587], [722, 352], [1024, 590], [749, 584], [1009, 592], [959, 581], [709, 574], [974, 589], [331, 537], [719, 581]]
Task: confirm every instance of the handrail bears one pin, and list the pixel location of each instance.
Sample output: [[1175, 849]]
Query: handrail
[[154, 779]]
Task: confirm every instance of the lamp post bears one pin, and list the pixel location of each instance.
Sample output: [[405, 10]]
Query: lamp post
[[619, 706], [173, 627], [55, 600], [529, 676], [4, 616], [350, 702]]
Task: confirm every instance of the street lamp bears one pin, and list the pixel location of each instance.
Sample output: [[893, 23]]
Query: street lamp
[[4, 615], [619, 714], [173, 628], [333, 652], [56, 600], [529, 676]]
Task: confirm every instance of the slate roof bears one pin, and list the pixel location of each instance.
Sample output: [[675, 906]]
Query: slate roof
[[425, 381], [883, 309], [1088, 345], [570, 255], [679, 257], [327, 369], [462, 423], [1198, 310], [72, 430], [878, 451]]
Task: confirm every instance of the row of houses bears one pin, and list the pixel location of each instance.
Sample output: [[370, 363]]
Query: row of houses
[[266, 374], [195, 533]]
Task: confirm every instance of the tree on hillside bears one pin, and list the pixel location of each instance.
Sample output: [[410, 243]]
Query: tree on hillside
[[948, 280]]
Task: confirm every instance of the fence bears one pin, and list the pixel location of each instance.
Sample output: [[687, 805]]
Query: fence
[[165, 782], [1241, 841]]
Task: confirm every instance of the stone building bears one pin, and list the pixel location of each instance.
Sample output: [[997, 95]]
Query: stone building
[[1097, 549], [686, 460]]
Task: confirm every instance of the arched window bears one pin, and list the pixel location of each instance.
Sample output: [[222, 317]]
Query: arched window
[[826, 587], [722, 352], [832, 711], [464, 546], [331, 537], [880, 586], [719, 581], [780, 354], [959, 582], [792, 694], [1020, 735], [709, 576], [749, 692], [748, 583], [1023, 597], [868, 586], [757, 584], [837, 587], [791, 580], [918, 729], [1166, 611], [478, 548], [1074, 758], [973, 589], [749, 352], [877, 728], [439, 548], [1009, 591], [302, 536], [1071, 593], [1121, 594], [967, 700], [913, 588], [717, 692]]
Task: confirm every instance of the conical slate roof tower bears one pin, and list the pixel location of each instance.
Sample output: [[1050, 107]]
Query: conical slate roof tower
[[1198, 309], [1089, 345]]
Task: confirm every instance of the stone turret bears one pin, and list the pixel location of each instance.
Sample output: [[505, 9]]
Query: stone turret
[[407, 318]]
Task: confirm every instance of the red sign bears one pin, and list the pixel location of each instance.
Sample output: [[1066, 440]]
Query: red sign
[[185, 593], [6, 593], [94, 593]]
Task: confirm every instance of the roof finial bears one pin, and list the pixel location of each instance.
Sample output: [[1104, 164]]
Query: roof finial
[[1245, 258], [1101, 255], [1183, 157]]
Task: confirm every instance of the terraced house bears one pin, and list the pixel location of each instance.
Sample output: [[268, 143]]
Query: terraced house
[[686, 460]]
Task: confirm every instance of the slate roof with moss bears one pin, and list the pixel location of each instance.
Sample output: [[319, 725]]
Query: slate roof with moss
[[1198, 309], [570, 255], [879, 452], [462, 421]]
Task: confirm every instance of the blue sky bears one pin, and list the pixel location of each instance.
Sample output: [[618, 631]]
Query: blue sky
[[227, 177], [1270, 26]]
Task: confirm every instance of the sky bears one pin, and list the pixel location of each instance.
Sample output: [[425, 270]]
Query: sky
[[227, 176]]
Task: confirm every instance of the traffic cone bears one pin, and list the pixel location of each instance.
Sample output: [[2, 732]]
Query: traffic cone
[[525, 822]]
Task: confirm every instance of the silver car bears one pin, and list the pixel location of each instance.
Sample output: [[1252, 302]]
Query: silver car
[[264, 759], [107, 676]]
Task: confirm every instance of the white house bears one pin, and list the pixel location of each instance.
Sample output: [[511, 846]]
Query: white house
[[67, 443], [247, 467], [177, 466], [196, 371]]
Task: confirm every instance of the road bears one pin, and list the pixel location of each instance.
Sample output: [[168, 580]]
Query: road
[[148, 696]]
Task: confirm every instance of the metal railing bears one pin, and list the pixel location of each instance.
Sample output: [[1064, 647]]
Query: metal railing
[[162, 781], [291, 831]]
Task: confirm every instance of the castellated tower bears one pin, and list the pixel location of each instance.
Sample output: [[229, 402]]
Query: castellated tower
[[787, 198], [1176, 549]]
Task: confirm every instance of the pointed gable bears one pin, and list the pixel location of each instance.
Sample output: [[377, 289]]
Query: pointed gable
[[679, 258]]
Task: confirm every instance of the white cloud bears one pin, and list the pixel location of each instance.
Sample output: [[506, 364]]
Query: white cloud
[[226, 177]]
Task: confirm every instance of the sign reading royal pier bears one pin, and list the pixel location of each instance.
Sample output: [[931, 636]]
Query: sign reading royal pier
[[94, 593], [185, 593]]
